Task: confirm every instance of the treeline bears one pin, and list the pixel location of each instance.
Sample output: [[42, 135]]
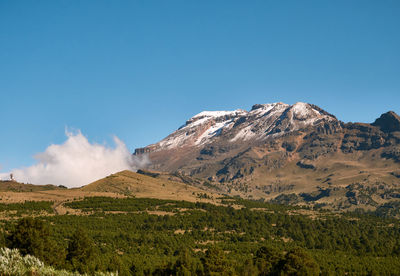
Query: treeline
[[205, 239], [28, 207]]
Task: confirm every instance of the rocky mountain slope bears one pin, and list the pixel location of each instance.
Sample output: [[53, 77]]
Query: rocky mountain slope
[[288, 153]]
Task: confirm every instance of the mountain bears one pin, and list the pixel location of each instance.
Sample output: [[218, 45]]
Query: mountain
[[287, 153]]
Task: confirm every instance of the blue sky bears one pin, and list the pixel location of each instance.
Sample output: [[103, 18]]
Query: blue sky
[[140, 69]]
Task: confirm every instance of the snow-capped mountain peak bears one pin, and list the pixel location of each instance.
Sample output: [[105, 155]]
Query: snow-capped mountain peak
[[263, 121]]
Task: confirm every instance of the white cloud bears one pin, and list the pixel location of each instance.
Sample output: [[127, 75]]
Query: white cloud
[[77, 162]]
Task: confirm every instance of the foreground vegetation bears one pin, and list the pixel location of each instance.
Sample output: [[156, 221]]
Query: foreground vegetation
[[13, 263], [159, 237]]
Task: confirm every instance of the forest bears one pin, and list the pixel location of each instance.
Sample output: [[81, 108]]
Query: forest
[[139, 236]]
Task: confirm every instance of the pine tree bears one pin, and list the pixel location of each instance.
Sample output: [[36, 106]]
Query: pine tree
[[298, 262]]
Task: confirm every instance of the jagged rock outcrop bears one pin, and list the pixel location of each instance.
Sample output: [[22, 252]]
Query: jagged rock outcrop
[[388, 122]]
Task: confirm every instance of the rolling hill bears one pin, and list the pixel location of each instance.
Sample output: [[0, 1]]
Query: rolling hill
[[149, 185]]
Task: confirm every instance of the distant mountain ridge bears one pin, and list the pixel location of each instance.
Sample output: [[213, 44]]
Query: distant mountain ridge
[[276, 150]]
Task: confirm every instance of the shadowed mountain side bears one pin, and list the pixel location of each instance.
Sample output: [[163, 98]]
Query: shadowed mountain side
[[388, 122]]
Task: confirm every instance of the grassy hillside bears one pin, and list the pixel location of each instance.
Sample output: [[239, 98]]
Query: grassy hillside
[[152, 185]]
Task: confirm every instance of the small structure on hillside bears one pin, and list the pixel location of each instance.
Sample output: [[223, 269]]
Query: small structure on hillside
[[12, 177]]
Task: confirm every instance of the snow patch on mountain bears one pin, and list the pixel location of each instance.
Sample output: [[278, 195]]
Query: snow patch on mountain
[[216, 114], [301, 109], [213, 131], [244, 134]]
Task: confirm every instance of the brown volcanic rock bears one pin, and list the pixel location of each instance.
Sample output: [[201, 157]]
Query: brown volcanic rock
[[360, 136]]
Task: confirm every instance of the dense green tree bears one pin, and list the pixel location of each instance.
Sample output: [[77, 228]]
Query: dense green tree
[[116, 264], [186, 265], [248, 268], [81, 252], [2, 239], [298, 262], [267, 259], [215, 262]]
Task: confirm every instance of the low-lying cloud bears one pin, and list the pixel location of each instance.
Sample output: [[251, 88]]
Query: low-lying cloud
[[78, 162]]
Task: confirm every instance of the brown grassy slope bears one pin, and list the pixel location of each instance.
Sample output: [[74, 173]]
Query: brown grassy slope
[[50, 195], [7, 185], [140, 185]]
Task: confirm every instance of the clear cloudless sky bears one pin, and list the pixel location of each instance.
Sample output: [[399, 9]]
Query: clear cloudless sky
[[140, 69]]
